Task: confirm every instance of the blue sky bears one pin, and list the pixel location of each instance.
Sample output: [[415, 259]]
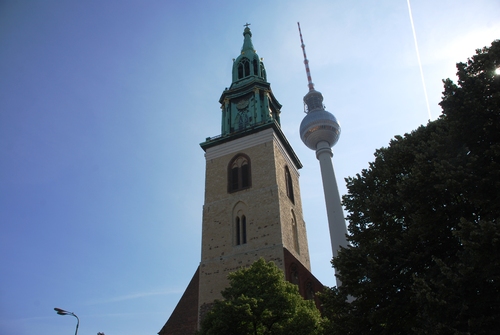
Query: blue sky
[[103, 105]]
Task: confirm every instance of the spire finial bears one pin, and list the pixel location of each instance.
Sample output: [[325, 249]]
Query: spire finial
[[306, 62], [247, 43]]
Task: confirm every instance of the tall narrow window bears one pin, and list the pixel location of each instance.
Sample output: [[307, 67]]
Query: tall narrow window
[[240, 223], [246, 64], [255, 68], [243, 230], [235, 172], [243, 68], [239, 174], [245, 175], [295, 234], [289, 184], [263, 71], [240, 70], [238, 231]]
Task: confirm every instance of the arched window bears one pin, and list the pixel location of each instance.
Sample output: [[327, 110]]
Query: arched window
[[240, 70], [263, 71], [240, 229], [247, 67], [243, 68], [289, 184], [239, 174], [240, 224], [255, 68]]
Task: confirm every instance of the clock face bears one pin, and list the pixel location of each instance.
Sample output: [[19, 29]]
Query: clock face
[[242, 104]]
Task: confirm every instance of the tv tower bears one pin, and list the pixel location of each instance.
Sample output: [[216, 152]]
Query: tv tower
[[319, 131]]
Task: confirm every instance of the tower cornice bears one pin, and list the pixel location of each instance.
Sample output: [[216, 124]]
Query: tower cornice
[[218, 140]]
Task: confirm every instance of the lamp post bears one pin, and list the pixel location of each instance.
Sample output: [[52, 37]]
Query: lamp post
[[63, 312]]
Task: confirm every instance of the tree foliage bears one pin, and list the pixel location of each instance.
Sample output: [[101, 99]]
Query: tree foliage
[[260, 301], [423, 221]]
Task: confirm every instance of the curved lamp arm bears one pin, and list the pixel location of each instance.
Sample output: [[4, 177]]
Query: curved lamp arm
[[63, 312]]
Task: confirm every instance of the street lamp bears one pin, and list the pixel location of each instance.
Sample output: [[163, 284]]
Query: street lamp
[[63, 312]]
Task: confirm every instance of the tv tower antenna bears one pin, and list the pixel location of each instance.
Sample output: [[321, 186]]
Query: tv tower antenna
[[306, 61], [320, 131]]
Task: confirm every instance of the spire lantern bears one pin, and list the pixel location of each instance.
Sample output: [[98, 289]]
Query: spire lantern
[[248, 65]]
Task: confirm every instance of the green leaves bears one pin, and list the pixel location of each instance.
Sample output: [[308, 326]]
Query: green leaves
[[259, 301], [425, 256]]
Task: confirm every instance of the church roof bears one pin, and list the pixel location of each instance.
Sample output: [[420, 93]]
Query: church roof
[[184, 318]]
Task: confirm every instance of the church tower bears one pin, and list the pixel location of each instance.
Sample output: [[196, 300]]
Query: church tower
[[252, 205], [252, 200]]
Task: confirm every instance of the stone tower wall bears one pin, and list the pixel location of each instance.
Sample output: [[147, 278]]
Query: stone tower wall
[[267, 208]]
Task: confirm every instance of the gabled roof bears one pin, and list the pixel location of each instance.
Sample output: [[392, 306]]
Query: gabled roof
[[184, 318]]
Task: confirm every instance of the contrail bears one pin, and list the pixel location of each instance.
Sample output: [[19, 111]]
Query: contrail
[[419, 62]]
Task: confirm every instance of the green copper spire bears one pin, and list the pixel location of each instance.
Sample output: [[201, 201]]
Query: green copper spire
[[248, 106], [249, 102], [248, 66], [247, 43]]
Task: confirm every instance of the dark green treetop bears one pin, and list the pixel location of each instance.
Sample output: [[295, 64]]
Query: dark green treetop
[[425, 254], [260, 301]]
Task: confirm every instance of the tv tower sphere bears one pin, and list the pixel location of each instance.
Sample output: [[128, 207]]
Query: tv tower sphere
[[319, 130], [318, 125]]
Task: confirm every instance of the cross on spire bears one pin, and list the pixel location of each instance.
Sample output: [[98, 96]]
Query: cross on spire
[[246, 25]]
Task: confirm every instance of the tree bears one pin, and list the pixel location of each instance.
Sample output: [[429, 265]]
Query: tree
[[423, 221], [259, 301]]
